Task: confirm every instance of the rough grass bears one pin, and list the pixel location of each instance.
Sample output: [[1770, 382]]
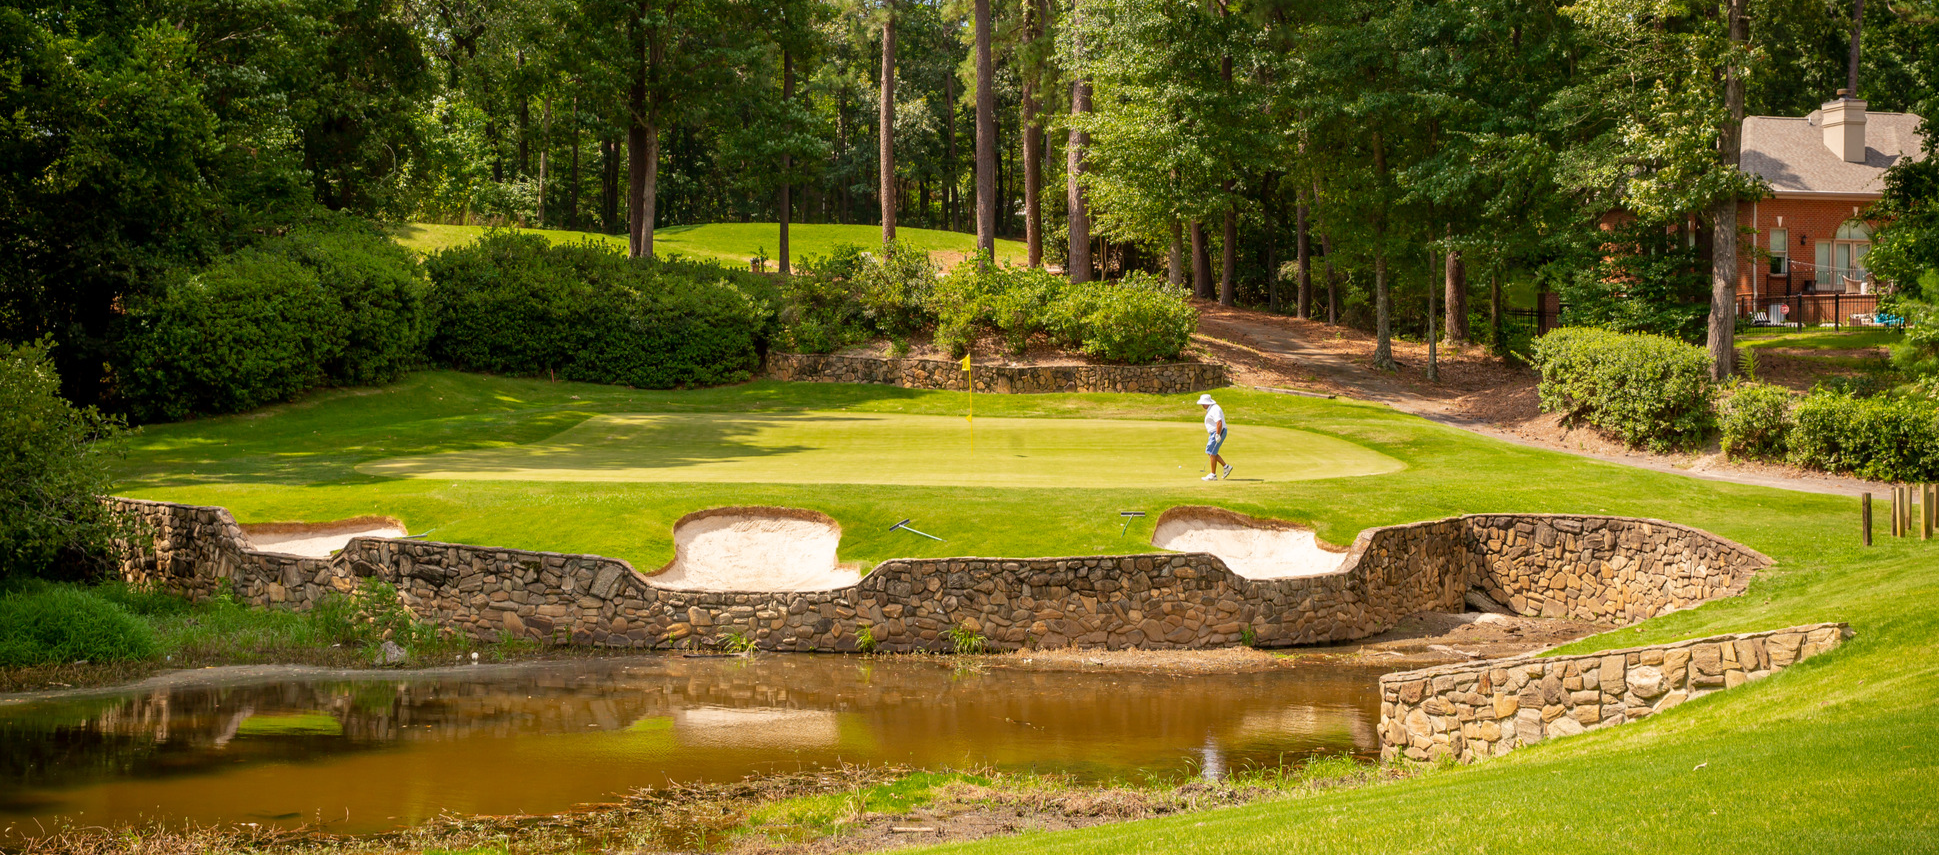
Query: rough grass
[[736, 243]]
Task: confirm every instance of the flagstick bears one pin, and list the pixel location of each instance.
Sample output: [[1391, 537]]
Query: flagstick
[[970, 382]]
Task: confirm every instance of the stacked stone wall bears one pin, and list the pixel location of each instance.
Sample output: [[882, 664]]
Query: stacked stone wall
[[1170, 378], [1170, 600], [1474, 711], [1603, 569]]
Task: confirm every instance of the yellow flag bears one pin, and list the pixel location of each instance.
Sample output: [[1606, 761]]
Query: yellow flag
[[966, 365]]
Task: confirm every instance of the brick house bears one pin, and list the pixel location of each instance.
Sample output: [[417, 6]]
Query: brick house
[[1804, 245]]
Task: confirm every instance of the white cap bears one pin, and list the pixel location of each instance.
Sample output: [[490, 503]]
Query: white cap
[[1205, 400]]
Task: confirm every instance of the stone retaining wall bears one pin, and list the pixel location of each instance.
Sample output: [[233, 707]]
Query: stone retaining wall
[[1474, 711], [1171, 378], [1168, 600]]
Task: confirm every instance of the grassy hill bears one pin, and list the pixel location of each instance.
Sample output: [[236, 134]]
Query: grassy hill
[[735, 243]]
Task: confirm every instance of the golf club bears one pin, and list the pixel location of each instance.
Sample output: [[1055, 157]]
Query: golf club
[[904, 525], [1128, 517]]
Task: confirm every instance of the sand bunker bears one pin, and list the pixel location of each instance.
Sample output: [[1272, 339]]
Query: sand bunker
[[318, 540], [755, 549], [1253, 548]]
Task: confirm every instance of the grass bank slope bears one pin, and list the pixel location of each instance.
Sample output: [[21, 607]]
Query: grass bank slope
[[735, 243], [1835, 755]]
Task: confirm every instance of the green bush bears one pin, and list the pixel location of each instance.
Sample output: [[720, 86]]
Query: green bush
[[1755, 421], [1142, 319], [336, 301], [53, 469], [514, 304], [964, 304], [383, 292], [850, 296], [59, 623], [1881, 439], [254, 328], [1649, 390]]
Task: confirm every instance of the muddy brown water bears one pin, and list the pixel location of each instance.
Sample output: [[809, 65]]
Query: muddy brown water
[[371, 751]]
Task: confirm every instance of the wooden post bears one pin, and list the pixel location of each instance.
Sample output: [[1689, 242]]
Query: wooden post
[[1925, 511], [1896, 515], [1865, 517]]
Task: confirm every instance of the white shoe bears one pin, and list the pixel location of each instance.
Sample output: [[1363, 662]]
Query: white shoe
[[1209, 477], [1228, 470]]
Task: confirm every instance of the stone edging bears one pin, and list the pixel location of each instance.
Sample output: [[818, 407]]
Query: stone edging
[[1543, 563], [1474, 711], [1169, 378]]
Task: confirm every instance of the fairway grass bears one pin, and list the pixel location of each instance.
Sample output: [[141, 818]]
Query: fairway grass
[[735, 243], [1834, 755], [880, 448]]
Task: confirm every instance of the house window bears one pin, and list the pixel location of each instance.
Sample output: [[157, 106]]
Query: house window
[[1841, 260], [1780, 252]]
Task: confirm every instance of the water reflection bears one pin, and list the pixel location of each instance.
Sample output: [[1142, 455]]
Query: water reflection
[[375, 751]]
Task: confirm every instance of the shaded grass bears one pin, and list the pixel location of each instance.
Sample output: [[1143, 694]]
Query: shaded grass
[[734, 243], [1821, 339]]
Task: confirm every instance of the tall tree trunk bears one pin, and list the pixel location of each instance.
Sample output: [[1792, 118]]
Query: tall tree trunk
[[524, 125], [1305, 249], [1857, 26], [1033, 144], [572, 192], [1495, 326], [1175, 261], [1433, 337], [1201, 263], [949, 147], [545, 154], [986, 178], [1723, 244], [609, 185], [885, 132], [1332, 280], [1079, 216], [1272, 245], [1383, 301], [642, 150], [785, 209], [1457, 299], [1229, 253]]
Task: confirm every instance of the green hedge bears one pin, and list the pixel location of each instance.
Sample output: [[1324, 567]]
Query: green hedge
[[1881, 439], [59, 623], [1139, 320], [514, 304], [1648, 390], [1755, 421], [53, 469], [850, 296], [332, 302]]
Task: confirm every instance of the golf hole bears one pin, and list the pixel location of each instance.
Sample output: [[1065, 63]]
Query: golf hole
[[1253, 548], [756, 549], [318, 540]]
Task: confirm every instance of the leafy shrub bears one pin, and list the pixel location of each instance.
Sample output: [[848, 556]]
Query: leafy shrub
[[1140, 320], [963, 304], [53, 466], [894, 291], [1649, 390], [384, 295], [254, 328], [1882, 439], [61, 623], [514, 304], [1755, 421]]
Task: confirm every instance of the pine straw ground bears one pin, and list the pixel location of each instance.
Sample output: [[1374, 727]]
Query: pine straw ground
[[852, 809]]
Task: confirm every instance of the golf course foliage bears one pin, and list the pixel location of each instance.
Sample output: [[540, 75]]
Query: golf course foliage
[[851, 297], [61, 623], [335, 302], [1649, 390], [516, 304], [53, 466]]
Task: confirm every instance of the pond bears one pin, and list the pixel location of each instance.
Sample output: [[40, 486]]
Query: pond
[[367, 751]]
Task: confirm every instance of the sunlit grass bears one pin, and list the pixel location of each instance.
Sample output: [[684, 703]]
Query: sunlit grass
[[736, 243]]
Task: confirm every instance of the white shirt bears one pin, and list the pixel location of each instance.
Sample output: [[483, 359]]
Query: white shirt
[[1213, 415]]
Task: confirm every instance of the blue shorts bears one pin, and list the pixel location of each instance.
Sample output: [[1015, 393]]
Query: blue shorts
[[1213, 441]]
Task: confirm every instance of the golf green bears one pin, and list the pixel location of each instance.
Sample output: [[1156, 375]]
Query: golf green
[[881, 448]]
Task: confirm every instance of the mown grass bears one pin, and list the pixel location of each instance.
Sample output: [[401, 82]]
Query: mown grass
[[736, 243], [1833, 755], [1821, 339]]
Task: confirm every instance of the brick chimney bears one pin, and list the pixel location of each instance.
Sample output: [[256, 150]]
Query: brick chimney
[[1843, 120]]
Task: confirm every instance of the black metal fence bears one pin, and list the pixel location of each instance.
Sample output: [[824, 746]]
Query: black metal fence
[[1836, 310]]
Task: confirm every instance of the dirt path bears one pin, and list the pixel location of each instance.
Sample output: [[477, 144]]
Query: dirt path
[[1474, 392]]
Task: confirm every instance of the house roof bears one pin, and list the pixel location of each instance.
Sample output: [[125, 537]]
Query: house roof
[[1791, 155]]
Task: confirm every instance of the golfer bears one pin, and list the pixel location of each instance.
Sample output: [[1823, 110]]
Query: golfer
[[1214, 437]]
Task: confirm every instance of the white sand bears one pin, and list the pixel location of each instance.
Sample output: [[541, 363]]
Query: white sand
[[1253, 548], [318, 540], [755, 549]]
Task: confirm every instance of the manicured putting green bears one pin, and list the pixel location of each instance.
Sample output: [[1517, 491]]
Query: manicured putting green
[[874, 448]]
